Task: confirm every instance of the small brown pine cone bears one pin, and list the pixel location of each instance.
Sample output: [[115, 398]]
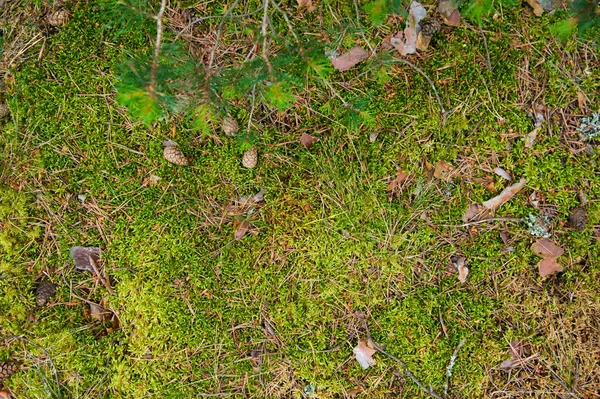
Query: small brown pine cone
[[230, 126], [173, 154], [250, 158], [8, 368], [578, 219], [58, 18], [430, 26], [4, 110], [45, 291]]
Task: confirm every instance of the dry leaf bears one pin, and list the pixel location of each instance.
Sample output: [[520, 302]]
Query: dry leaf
[[354, 391], [241, 230], [538, 10], [306, 4], [4, 395], [505, 195], [549, 266], [443, 170], [395, 184], [364, 355], [350, 58], [531, 136], [84, 256], [581, 99], [307, 140], [463, 272], [471, 212], [546, 249], [406, 40], [503, 174], [99, 313], [449, 13]]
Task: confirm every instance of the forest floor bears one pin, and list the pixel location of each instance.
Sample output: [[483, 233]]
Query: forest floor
[[358, 238]]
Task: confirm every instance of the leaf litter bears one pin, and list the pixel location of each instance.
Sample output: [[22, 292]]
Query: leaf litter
[[406, 41], [549, 252], [506, 194], [352, 57], [307, 140], [364, 355], [84, 256]]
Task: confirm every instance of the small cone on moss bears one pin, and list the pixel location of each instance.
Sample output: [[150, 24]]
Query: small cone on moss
[[429, 26], [8, 368], [173, 153], [230, 126], [250, 158], [4, 110], [58, 18], [578, 219], [45, 291]]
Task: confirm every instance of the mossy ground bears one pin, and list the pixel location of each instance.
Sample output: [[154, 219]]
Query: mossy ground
[[193, 303]]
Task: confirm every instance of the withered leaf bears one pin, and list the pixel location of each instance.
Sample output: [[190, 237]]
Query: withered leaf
[[503, 173], [463, 272], [546, 249], [242, 229], [350, 58], [99, 313], [472, 211], [549, 266], [396, 183], [449, 13], [505, 195], [406, 40], [307, 140], [364, 355], [443, 170], [84, 256], [538, 10]]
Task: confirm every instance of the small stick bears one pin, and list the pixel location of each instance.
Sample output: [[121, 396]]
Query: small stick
[[451, 365], [159, 34], [487, 52], [401, 363], [482, 221], [21, 338], [437, 96], [102, 279]]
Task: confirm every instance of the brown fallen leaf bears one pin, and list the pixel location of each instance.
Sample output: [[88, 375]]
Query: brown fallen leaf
[[505, 195], [406, 41], [546, 249], [449, 13], [364, 355], [396, 183], [350, 58], [472, 211], [99, 313], [307, 140], [241, 230], [354, 391], [459, 262], [306, 4], [84, 256], [549, 266], [4, 395], [538, 10], [443, 170]]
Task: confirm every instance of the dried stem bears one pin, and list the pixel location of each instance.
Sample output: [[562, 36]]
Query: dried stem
[[420, 71], [407, 371], [211, 58], [264, 26], [482, 221], [159, 34], [451, 365], [102, 279]]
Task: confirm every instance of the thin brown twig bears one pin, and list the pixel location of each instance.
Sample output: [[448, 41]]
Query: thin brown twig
[[482, 221], [407, 371], [420, 71], [159, 34], [451, 365], [102, 279]]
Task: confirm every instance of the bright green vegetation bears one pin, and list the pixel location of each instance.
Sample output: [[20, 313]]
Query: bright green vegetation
[[193, 303]]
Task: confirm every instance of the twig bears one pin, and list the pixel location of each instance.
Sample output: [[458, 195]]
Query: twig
[[211, 58], [420, 71], [482, 221], [407, 371], [265, 23], [252, 107], [451, 365], [560, 381], [20, 338], [334, 349], [159, 34], [487, 52], [102, 279], [362, 33]]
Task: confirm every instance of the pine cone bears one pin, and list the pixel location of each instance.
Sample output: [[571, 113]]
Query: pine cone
[[430, 26], [578, 219], [230, 126], [173, 154], [58, 18], [4, 110], [250, 158], [8, 368], [45, 290]]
